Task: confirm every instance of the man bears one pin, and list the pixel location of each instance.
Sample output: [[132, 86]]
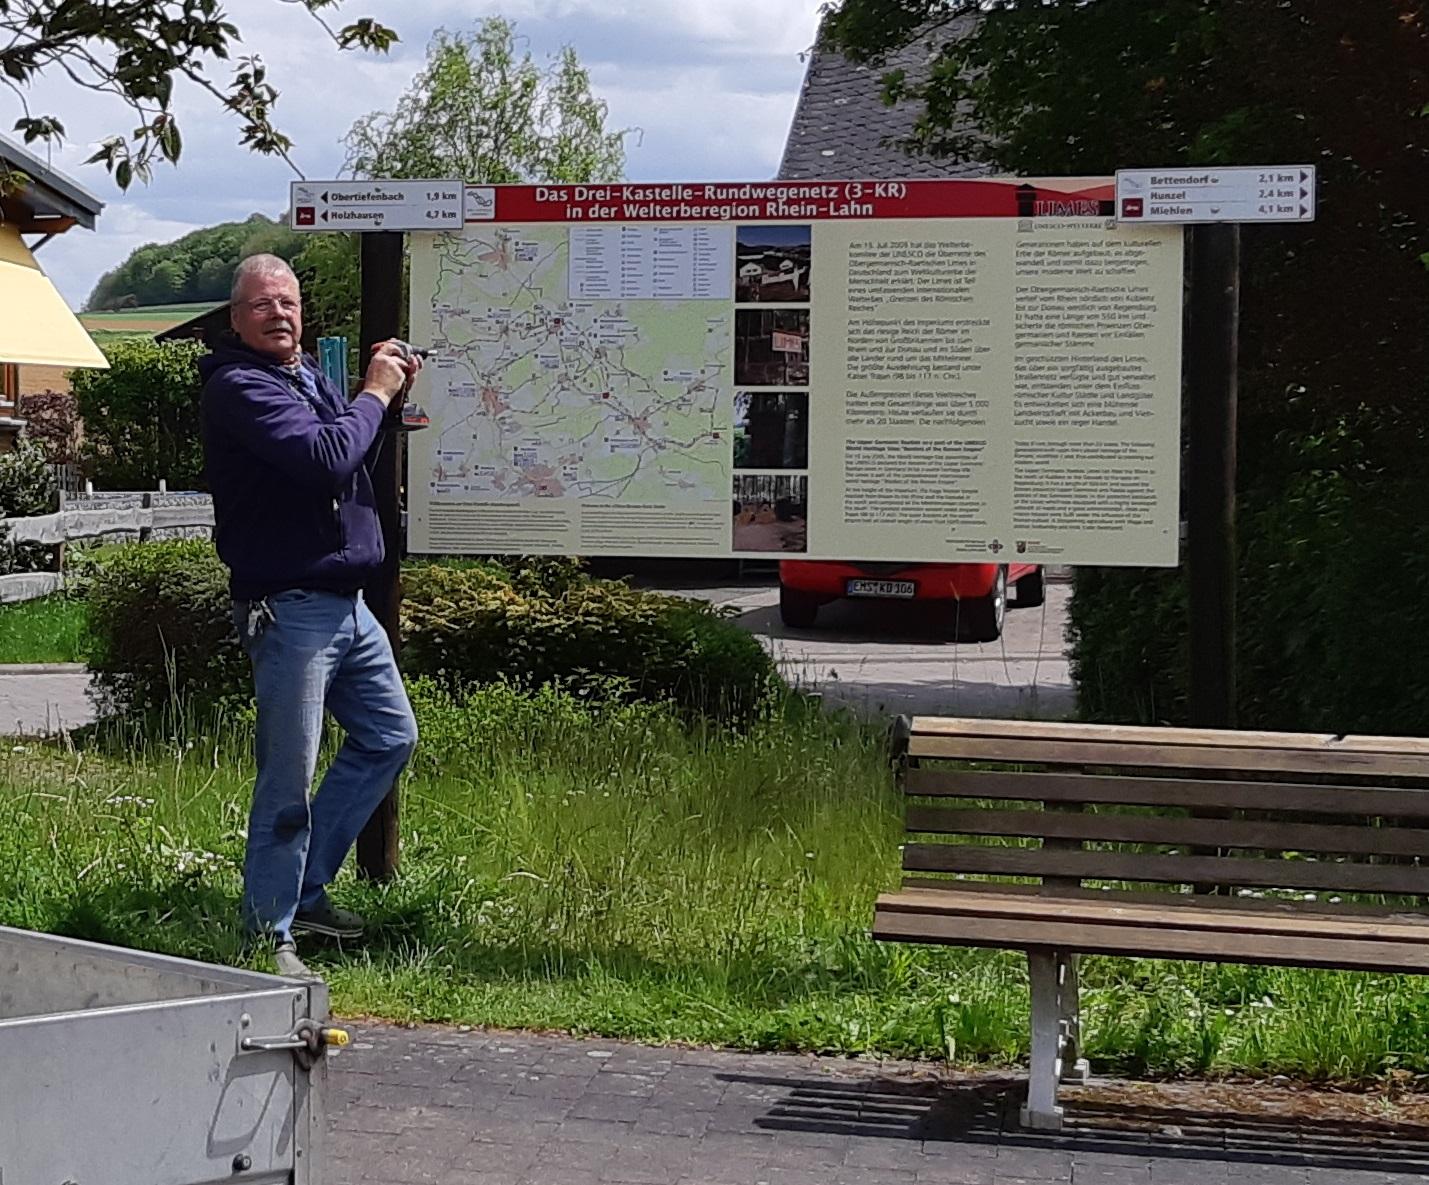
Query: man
[[288, 460]]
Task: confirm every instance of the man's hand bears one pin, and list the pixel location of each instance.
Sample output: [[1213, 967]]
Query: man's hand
[[388, 373]]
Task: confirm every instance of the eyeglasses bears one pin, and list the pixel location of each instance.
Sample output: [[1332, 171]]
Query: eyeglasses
[[267, 306]]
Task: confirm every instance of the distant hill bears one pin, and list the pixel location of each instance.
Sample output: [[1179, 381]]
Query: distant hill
[[196, 269]]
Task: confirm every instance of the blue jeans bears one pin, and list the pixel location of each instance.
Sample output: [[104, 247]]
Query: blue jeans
[[309, 651]]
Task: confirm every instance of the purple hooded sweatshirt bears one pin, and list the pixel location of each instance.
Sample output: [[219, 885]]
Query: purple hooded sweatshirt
[[288, 462]]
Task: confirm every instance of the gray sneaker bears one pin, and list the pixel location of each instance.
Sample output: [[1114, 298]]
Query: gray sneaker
[[285, 959], [327, 919]]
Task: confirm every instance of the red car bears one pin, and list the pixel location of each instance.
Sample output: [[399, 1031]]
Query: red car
[[974, 595]]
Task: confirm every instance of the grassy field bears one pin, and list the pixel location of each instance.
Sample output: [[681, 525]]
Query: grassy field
[[151, 317], [608, 870], [104, 338], [51, 629]]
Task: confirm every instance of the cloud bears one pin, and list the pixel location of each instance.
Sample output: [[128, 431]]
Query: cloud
[[75, 261], [711, 85]]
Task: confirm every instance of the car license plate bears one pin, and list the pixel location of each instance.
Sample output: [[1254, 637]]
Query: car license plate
[[882, 588]]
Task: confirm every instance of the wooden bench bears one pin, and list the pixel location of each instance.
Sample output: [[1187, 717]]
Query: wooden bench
[[1161, 843]]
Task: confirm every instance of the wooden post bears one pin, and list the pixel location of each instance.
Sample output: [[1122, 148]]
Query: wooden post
[[380, 319], [1211, 351]]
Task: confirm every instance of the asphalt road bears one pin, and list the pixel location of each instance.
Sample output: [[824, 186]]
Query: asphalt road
[[886, 658]]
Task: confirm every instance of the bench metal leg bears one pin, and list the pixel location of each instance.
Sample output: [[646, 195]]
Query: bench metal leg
[[1041, 1110], [1055, 1035]]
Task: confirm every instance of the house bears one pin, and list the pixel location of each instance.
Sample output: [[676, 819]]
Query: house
[[207, 327], [843, 130], [37, 328]]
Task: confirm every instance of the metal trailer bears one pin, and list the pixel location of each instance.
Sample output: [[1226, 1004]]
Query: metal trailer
[[124, 1068]]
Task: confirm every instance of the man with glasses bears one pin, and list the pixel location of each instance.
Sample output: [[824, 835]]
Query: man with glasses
[[288, 459]]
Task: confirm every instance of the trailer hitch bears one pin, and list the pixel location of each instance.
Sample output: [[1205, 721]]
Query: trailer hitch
[[308, 1041]]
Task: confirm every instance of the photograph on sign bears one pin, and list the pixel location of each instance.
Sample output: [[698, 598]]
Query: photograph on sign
[[771, 513], [771, 347], [774, 264], [771, 430], [920, 370]]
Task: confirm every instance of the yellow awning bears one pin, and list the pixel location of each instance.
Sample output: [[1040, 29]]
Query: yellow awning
[[36, 326]]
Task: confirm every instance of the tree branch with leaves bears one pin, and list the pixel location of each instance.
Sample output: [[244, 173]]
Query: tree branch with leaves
[[134, 51]]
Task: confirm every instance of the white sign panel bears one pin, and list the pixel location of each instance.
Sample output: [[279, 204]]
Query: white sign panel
[[376, 205], [1250, 193], [941, 370]]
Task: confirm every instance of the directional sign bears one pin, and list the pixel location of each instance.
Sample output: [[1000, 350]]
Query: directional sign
[[1249, 193], [376, 205]]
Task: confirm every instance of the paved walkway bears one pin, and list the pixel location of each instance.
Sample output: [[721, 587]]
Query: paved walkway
[[431, 1106], [45, 698]]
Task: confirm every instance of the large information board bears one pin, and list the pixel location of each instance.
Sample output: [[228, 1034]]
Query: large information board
[[920, 370]]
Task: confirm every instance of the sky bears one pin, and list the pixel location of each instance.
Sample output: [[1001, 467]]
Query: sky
[[707, 88]]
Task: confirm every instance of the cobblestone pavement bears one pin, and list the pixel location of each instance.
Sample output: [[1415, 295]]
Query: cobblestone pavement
[[432, 1106]]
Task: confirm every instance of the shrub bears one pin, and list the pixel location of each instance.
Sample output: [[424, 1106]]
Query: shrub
[[27, 488], [163, 635], [1333, 601], [544, 622], [27, 483], [141, 416], [52, 422]]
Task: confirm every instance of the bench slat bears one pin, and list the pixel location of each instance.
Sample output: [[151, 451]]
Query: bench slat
[[934, 782], [1270, 835], [1354, 763], [1172, 899], [1139, 942], [1155, 735], [1136, 866], [1135, 913]]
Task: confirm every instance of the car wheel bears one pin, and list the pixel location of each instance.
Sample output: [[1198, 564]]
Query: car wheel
[[796, 609], [1031, 590], [980, 620]]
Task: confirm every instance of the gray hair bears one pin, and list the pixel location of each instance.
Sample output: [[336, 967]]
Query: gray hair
[[259, 265]]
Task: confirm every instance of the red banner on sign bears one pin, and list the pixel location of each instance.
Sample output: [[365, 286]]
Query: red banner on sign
[[789, 201]]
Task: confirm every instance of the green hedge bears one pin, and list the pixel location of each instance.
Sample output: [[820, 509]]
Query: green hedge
[[164, 638], [162, 627], [1333, 601], [542, 623], [141, 416]]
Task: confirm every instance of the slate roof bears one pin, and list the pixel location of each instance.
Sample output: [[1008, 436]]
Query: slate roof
[[842, 128]]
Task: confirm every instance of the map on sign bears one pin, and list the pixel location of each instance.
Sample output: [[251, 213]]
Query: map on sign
[[539, 391]]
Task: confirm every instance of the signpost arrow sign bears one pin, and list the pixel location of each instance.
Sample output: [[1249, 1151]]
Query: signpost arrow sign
[[377, 205], [1249, 193]]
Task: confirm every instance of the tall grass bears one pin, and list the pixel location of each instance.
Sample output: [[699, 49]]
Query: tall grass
[[609, 869]]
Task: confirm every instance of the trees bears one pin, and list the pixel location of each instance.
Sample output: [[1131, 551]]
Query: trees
[[141, 416], [134, 52], [1069, 87], [197, 267], [1334, 360], [479, 110], [482, 112]]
